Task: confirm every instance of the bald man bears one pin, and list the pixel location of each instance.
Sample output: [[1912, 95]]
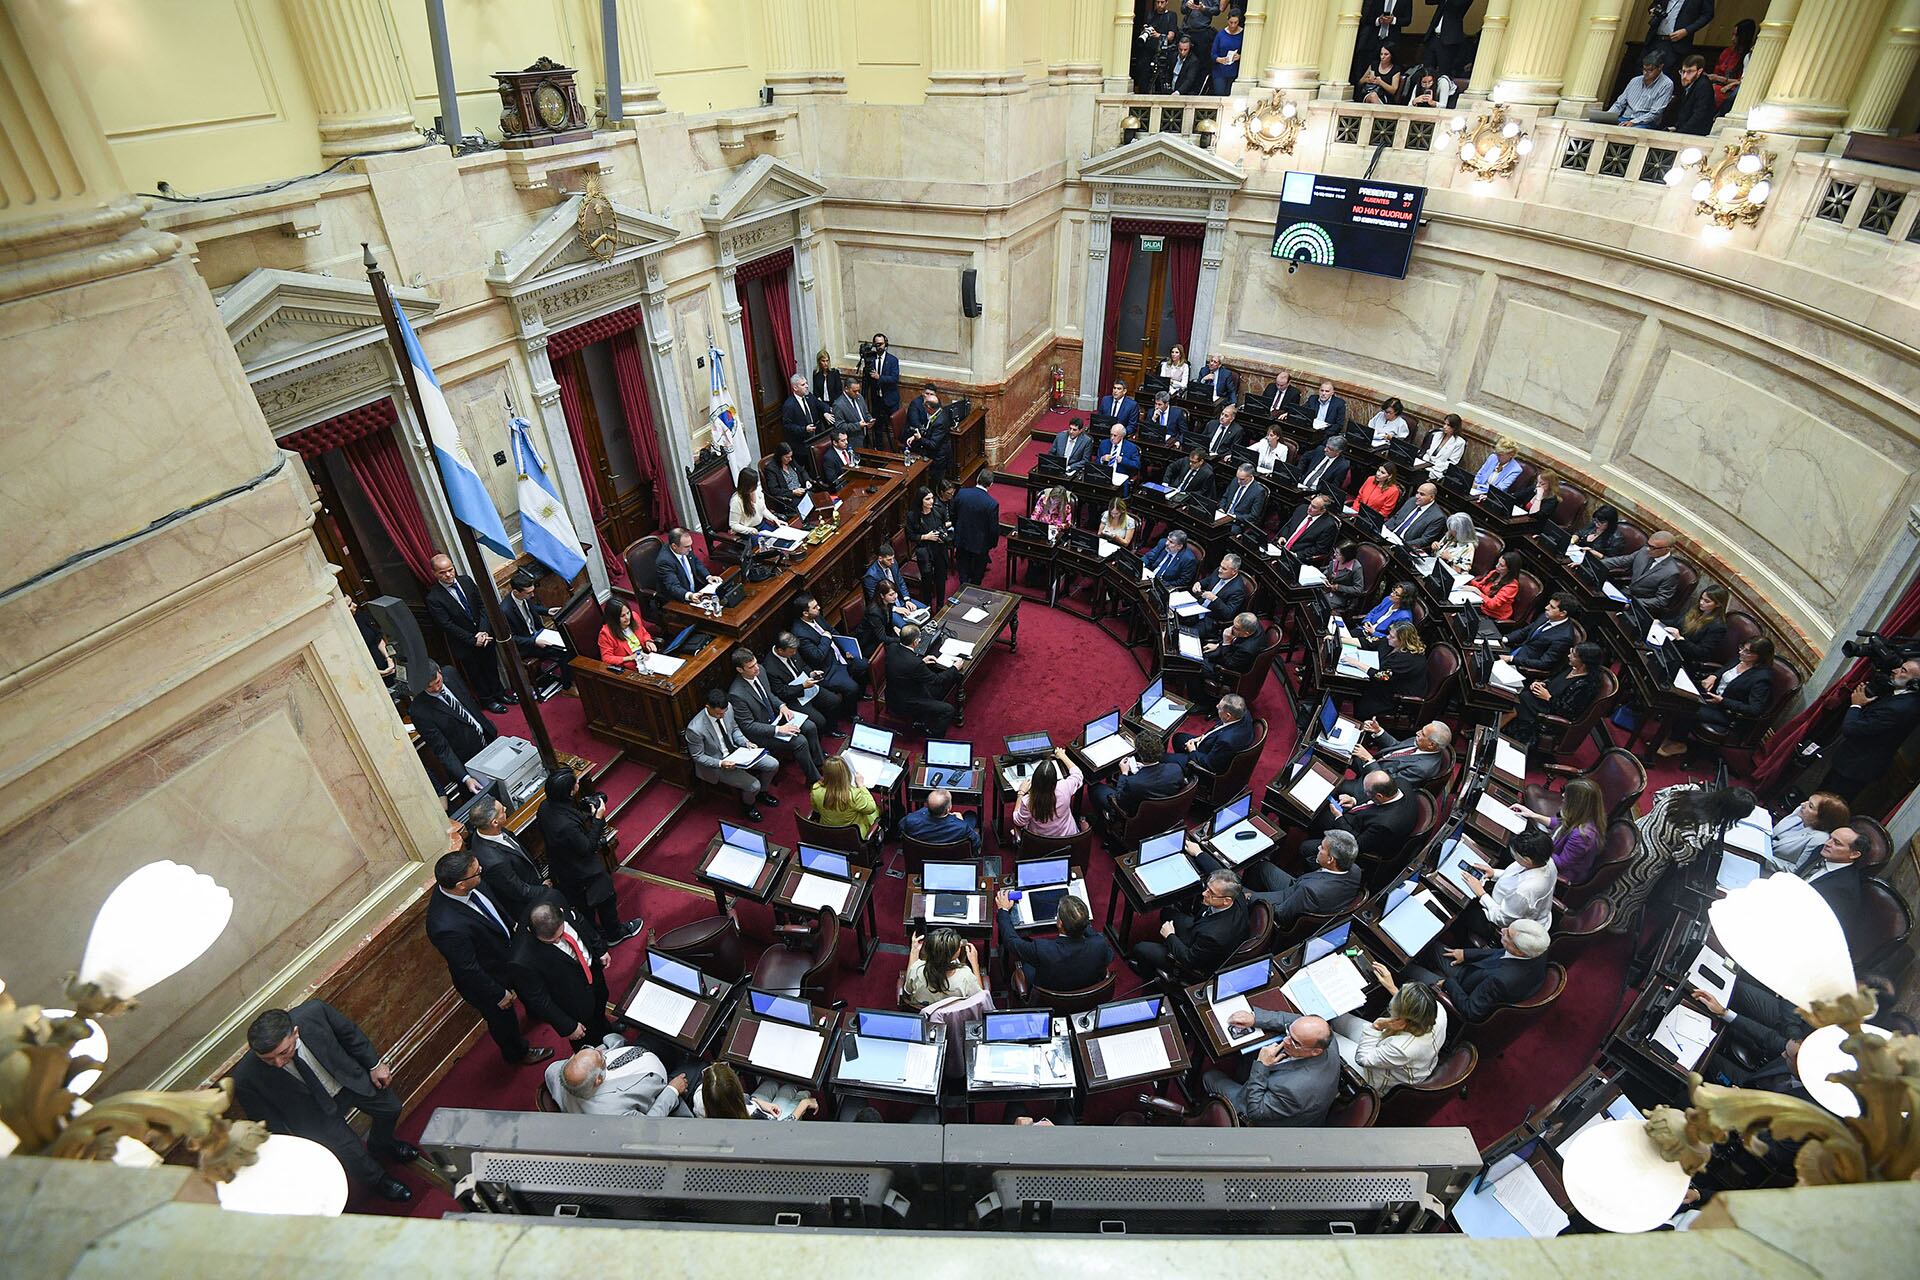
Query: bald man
[[615, 1079], [1292, 1081]]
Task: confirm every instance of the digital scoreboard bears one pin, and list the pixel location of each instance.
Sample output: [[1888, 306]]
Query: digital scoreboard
[[1356, 224]]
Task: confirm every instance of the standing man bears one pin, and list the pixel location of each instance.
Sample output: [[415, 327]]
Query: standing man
[[474, 934], [454, 604], [797, 420], [307, 1068], [451, 725], [512, 878], [976, 527], [1380, 24], [851, 415], [1879, 717], [881, 371], [1446, 36], [1672, 26], [770, 723], [559, 966]]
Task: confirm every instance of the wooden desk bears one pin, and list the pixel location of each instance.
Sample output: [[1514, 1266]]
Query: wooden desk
[[759, 891], [846, 1087], [1087, 1051], [1135, 897], [648, 715], [1198, 1000], [979, 908], [737, 1050], [1267, 830], [1059, 1051], [857, 911], [703, 1021], [1003, 615], [922, 779]]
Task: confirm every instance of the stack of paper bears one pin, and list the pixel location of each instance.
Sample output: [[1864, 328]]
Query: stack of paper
[[659, 664], [1190, 646], [1456, 859], [1134, 1053], [660, 1007], [1109, 749], [1685, 1032], [1185, 604], [1506, 675], [1613, 593], [1417, 921], [1328, 987], [744, 757], [735, 866], [1522, 1194], [1736, 870], [1684, 682], [1499, 814], [790, 1050], [550, 638], [870, 770], [1509, 760], [975, 614], [1357, 662], [954, 650], [1312, 577], [815, 893], [1311, 789], [1106, 549], [1226, 1009], [1712, 973]]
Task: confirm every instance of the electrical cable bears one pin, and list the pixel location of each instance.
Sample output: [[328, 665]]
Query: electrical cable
[[167, 193]]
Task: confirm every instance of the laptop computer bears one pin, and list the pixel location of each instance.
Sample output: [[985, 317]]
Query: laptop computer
[[1164, 866], [949, 764], [869, 753], [1103, 741], [1325, 944], [1020, 1026], [1029, 744], [949, 889], [1556, 538], [1032, 530], [1042, 883], [681, 977], [1157, 709], [1337, 733], [741, 857], [1127, 1013]]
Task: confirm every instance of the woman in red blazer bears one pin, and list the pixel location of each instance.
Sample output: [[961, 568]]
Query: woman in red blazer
[[624, 637], [1381, 491], [1498, 587]]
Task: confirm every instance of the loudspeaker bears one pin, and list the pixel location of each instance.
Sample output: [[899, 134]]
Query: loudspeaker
[[970, 293]]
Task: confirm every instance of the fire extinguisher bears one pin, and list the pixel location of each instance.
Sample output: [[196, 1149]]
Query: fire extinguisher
[[1059, 399]]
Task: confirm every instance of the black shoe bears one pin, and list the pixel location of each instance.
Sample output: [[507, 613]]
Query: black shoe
[[509, 697], [753, 815], [630, 928], [392, 1189], [498, 708], [533, 1055], [396, 1151], [769, 799]]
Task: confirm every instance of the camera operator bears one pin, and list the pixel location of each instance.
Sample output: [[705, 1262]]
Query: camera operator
[[929, 533], [573, 824], [1882, 711], [880, 372]]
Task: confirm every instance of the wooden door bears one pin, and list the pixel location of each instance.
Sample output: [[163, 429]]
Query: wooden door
[[338, 541], [1146, 328], [769, 386], [626, 503]]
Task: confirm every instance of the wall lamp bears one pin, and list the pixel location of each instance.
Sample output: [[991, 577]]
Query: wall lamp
[[1732, 189], [1272, 124], [1491, 146]]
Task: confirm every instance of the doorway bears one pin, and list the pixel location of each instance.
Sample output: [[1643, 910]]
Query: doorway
[[624, 513], [764, 289], [1156, 268]]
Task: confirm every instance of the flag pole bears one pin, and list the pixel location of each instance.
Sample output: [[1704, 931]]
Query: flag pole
[[496, 620]]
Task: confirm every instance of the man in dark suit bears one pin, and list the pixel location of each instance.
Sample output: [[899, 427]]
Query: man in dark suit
[[1410, 761], [1672, 27], [1382, 823], [1166, 421], [1189, 475], [1768, 1028], [1198, 943], [852, 415], [1075, 959], [1219, 437], [1310, 531], [1186, 73], [792, 677], [1380, 24], [1446, 35], [526, 619], [454, 604], [512, 877], [885, 568], [1481, 979], [1224, 592], [976, 527], [1328, 888], [1171, 564], [839, 458], [679, 571], [1121, 407], [1244, 498], [1324, 470], [1877, 722], [1419, 520], [1234, 653], [917, 689], [1327, 411], [451, 725], [1693, 103], [307, 1067], [1541, 646], [1281, 397], [1119, 456], [846, 675], [936, 822], [1216, 748], [930, 433], [559, 967], [1151, 777], [473, 932], [798, 417], [1072, 446], [1220, 382], [1839, 877], [881, 374], [768, 721]]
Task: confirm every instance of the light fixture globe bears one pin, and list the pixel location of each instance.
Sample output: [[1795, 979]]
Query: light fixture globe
[[93, 1045], [155, 923], [1785, 936], [1822, 1055], [292, 1176], [1618, 1180]]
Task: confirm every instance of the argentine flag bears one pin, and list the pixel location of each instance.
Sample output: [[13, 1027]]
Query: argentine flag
[[466, 493], [728, 437], [545, 531]]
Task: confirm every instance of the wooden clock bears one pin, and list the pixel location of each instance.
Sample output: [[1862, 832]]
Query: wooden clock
[[539, 107]]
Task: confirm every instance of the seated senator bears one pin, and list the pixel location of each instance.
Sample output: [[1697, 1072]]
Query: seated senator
[[1044, 807], [1403, 1045], [940, 966], [623, 637], [936, 822], [1077, 958], [838, 801], [1481, 979]]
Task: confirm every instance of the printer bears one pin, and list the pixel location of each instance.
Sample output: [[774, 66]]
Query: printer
[[511, 768]]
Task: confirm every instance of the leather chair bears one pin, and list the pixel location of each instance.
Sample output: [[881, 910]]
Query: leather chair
[[1575, 932], [1572, 509], [1875, 845], [1526, 599], [543, 1099], [580, 623], [1373, 562], [1632, 538], [1490, 548], [642, 560], [712, 490], [1508, 1017], [710, 944], [1450, 1076], [840, 837], [1077, 848], [1564, 738], [1062, 1002], [1619, 774], [1443, 675], [1442, 782], [802, 958], [1216, 789], [1361, 1111], [918, 852], [1745, 733], [1882, 925], [1156, 814], [1249, 683], [1617, 847], [1689, 576], [1211, 1112]]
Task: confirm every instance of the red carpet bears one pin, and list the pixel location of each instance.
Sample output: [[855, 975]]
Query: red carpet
[[1067, 671]]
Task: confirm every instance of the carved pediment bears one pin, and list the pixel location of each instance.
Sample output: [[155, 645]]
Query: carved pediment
[[762, 188], [554, 251], [1162, 160], [279, 321]]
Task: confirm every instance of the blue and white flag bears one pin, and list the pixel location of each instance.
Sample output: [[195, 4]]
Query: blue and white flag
[[466, 492], [546, 533], [728, 437]]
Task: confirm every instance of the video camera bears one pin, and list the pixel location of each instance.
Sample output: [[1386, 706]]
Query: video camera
[[1885, 653]]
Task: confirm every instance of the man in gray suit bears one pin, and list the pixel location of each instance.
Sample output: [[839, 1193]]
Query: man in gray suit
[[1292, 1082], [770, 723], [851, 415], [1410, 761], [711, 737], [1326, 889], [616, 1080], [1653, 574]]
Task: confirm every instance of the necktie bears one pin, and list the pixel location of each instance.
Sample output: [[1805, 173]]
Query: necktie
[[622, 1058], [486, 909], [466, 717], [573, 945], [461, 596], [526, 614], [765, 697], [686, 567], [1297, 532], [1407, 520], [1238, 494], [1318, 471]]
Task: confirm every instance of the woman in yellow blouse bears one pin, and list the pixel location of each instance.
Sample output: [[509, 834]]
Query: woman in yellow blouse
[[838, 802]]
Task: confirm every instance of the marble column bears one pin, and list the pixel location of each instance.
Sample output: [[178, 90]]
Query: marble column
[[971, 54], [1093, 306], [1533, 60], [639, 91], [1775, 26], [1823, 59], [352, 66], [803, 49], [806, 298], [1087, 21], [1493, 35], [739, 376], [1595, 53], [568, 474], [1253, 46], [1341, 23], [1120, 48], [1295, 44], [1213, 251], [677, 417], [1890, 71]]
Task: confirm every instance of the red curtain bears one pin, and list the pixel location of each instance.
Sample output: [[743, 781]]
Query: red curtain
[[342, 428], [1186, 281], [567, 374], [631, 375], [381, 472], [598, 329], [1119, 262], [780, 319], [1773, 760], [751, 382]]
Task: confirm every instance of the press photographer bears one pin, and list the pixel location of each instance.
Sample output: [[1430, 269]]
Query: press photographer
[[880, 374], [1882, 711]]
